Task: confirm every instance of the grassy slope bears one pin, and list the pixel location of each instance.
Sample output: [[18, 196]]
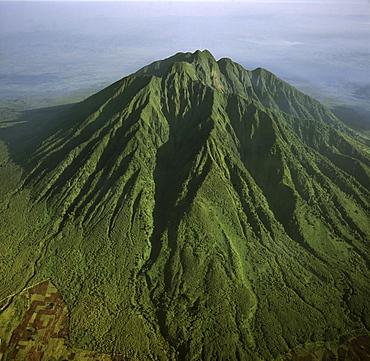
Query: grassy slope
[[200, 221]]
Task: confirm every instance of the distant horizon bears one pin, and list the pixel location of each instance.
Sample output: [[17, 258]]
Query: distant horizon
[[54, 47]]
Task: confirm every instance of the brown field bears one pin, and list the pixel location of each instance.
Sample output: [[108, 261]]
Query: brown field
[[34, 327]]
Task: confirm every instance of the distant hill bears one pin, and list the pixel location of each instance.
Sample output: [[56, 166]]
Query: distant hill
[[193, 210]]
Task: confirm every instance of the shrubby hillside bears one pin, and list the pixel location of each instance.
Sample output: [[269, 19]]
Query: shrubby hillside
[[193, 210]]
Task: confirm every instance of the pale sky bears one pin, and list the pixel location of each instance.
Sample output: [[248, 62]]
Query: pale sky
[[81, 44]]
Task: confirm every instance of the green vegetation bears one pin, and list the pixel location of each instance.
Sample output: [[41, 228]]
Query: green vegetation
[[191, 211]]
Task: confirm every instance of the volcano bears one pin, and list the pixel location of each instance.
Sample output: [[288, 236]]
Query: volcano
[[193, 210]]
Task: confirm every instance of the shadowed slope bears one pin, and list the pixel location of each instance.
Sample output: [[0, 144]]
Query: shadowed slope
[[206, 212]]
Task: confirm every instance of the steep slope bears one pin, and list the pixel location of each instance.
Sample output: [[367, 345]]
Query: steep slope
[[198, 211], [259, 84]]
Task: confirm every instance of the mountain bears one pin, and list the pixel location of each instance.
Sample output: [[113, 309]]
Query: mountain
[[193, 210]]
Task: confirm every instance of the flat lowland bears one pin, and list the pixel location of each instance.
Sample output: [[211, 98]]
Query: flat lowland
[[34, 326]]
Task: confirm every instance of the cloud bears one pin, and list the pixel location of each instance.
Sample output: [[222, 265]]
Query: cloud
[[261, 40]]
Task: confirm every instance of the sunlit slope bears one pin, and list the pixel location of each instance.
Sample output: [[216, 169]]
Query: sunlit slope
[[259, 84], [198, 211]]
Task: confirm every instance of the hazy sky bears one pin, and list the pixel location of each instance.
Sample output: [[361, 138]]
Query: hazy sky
[[54, 45], [28, 15]]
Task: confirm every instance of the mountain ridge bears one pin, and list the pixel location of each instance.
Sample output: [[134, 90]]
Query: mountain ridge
[[204, 216], [229, 76]]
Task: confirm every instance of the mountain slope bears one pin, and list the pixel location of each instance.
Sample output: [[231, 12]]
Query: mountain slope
[[197, 211]]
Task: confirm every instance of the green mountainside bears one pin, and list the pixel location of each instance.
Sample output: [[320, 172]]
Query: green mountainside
[[192, 211]]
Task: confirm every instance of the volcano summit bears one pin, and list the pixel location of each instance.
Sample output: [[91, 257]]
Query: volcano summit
[[193, 210]]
